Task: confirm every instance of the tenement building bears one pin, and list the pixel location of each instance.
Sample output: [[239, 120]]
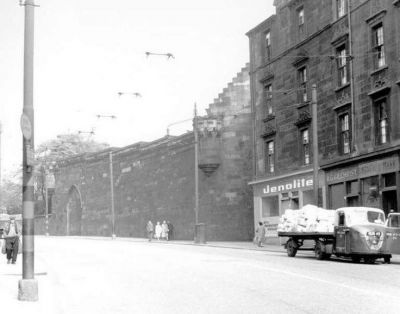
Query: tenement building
[[156, 180], [350, 51]]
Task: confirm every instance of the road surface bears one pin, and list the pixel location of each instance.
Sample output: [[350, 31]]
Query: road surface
[[118, 276]]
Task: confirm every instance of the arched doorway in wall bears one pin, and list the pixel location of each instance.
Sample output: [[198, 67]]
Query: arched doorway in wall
[[74, 211]]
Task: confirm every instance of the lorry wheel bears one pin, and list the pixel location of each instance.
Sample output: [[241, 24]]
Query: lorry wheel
[[387, 259], [319, 254], [369, 260], [291, 248], [356, 259]]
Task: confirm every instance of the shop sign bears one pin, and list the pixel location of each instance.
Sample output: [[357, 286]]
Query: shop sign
[[342, 175], [294, 184], [363, 170], [271, 231], [378, 167]]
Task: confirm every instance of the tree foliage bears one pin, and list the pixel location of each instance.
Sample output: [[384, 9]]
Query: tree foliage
[[47, 155], [11, 194], [66, 145]]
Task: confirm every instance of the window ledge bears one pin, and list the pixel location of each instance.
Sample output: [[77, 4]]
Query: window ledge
[[342, 87], [378, 90], [380, 69], [340, 106], [376, 16], [303, 104], [269, 117]]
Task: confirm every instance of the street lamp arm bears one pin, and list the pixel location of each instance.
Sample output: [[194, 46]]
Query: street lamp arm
[[177, 122]]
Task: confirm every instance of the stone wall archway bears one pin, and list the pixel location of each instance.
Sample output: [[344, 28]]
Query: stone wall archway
[[73, 210]]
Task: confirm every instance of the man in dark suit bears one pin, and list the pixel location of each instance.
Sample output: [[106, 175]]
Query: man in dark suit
[[11, 235]]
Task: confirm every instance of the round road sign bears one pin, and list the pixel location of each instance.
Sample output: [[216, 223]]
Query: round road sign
[[26, 126]]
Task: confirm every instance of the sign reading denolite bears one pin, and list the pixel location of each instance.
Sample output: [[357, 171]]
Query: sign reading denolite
[[287, 186]]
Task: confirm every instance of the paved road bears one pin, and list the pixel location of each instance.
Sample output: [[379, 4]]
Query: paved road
[[105, 276]]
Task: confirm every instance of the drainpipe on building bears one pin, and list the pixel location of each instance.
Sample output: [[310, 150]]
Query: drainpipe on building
[[315, 141], [353, 130], [253, 110], [113, 236], [196, 167]]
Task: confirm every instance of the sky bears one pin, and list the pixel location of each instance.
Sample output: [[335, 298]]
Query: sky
[[86, 51]]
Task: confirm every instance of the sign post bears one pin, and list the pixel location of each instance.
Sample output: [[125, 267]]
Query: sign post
[[28, 285]]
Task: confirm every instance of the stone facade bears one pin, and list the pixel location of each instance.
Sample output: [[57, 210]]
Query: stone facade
[[311, 35], [156, 180]]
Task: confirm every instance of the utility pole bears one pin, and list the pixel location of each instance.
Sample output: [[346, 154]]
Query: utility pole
[[46, 195], [196, 167], [315, 141], [1, 196], [112, 196], [28, 286]]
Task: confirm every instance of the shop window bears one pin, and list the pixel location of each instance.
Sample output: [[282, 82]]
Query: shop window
[[352, 193], [389, 180], [370, 192], [285, 196], [389, 192], [381, 120], [302, 79], [336, 195], [378, 46], [342, 65], [268, 45], [295, 200], [270, 206], [308, 197]]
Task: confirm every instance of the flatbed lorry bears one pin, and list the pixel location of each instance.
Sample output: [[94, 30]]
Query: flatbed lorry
[[359, 234]]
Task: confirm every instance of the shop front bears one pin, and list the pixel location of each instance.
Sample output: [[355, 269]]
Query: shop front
[[371, 183], [274, 195]]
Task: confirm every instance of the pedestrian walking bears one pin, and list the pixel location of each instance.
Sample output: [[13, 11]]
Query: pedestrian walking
[[165, 230], [260, 234], [158, 230], [150, 230], [11, 235], [170, 230]]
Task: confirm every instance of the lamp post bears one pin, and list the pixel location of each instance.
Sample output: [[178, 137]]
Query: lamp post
[[196, 166], [110, 159], [28, 285], [197, 239], [113, 236]]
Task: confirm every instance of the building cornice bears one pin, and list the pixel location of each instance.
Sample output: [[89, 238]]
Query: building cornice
[[351, 160], [281, 176]]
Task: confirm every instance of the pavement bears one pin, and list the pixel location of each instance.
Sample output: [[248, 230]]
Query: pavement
[[238, 245]]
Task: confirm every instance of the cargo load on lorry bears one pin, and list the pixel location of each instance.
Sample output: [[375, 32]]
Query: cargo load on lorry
[[309, 218]]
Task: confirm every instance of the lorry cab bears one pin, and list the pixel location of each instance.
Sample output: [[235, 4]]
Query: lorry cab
[[393, 233], [360, 234]]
